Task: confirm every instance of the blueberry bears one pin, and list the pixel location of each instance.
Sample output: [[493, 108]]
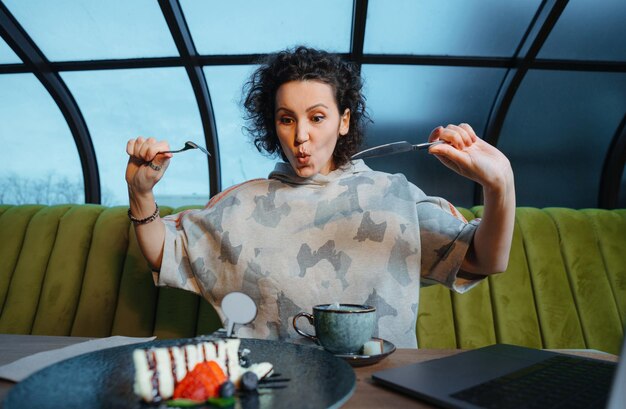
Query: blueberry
[[244, 361], [249, 381], [244, 358], [227, 389]]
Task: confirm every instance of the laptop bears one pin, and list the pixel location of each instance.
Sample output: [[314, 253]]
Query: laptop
[[506, 376]]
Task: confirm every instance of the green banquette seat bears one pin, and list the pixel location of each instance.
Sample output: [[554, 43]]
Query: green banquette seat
[[77, 270]]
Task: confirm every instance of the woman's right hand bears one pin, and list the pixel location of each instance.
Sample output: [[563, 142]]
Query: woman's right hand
[[145, 168]]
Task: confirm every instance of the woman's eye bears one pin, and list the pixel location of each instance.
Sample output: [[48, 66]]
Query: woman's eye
[[286, 120], [318, 118]]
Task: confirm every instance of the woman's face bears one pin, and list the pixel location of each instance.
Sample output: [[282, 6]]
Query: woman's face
[[308, 124]]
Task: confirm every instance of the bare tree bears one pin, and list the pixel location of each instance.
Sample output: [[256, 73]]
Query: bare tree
[[50, 189], [3, 190]]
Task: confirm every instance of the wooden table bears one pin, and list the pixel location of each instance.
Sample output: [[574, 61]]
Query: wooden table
[[367, 394]]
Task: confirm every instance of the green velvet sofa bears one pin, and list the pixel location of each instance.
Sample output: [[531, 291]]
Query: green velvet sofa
[[77, 270]]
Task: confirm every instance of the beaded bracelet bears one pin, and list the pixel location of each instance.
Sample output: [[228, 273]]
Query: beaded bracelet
[[147, 220]]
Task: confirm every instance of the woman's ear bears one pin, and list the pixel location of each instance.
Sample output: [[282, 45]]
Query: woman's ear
[[344, 125]]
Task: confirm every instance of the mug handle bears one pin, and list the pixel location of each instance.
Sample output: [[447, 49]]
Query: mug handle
[[299, 331]]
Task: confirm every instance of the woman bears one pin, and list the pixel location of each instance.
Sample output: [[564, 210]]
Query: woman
[[323, 228]]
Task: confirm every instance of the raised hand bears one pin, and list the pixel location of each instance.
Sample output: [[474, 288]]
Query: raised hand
[[470, 156], [145, 168]]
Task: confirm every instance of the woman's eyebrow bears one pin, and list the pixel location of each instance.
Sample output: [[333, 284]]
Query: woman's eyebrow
[[289, 111], [316, 106], [312, 107]]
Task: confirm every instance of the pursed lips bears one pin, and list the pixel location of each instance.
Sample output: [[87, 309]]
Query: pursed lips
[[302, 154], [302, 157]]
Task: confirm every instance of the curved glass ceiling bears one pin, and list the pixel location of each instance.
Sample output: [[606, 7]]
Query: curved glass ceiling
[[93, 30], [408, 102], [40, 163], [558, 132], [588, 30], [250, 27], [490, 28], [119, 105], [554, 112], [240, 160]]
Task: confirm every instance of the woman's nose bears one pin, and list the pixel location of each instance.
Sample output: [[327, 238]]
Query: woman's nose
[[302, 134]]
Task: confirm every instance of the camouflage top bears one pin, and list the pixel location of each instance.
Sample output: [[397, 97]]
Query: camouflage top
[[352, 236]]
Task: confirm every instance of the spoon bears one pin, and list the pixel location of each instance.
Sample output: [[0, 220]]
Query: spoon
[[238, 308]]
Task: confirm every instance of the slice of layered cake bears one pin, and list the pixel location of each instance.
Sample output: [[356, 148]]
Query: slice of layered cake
[[159, 370]]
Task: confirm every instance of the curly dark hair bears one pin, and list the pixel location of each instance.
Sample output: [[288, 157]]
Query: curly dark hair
[[301, 64]]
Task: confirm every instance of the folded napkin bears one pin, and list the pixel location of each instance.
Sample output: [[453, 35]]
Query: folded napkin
[[18, 370]]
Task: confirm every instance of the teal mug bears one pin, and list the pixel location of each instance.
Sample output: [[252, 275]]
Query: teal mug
[[340, 328]]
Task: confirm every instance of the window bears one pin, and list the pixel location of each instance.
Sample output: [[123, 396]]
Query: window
[[491, 28], [425, 63], [557, 134], [90, 30], [39, 156], [119, 105], [240, 160], [588, 31], [266, 26], [408, 102]]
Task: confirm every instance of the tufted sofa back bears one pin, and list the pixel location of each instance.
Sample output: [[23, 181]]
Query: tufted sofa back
[[565, 287], [77, 270]]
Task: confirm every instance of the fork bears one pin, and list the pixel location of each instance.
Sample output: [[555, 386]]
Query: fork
[[188, 145]]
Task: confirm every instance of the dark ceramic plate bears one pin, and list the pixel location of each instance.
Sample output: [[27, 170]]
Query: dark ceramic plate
[[356, 359], [104, 379]]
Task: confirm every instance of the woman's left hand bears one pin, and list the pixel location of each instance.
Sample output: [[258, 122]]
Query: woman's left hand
[[470, 156]]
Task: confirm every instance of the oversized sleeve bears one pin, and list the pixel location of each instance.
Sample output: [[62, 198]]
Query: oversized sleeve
[[445, 237], [177, 270]]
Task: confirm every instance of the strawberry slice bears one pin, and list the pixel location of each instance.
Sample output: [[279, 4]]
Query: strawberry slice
[[201, 383]]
